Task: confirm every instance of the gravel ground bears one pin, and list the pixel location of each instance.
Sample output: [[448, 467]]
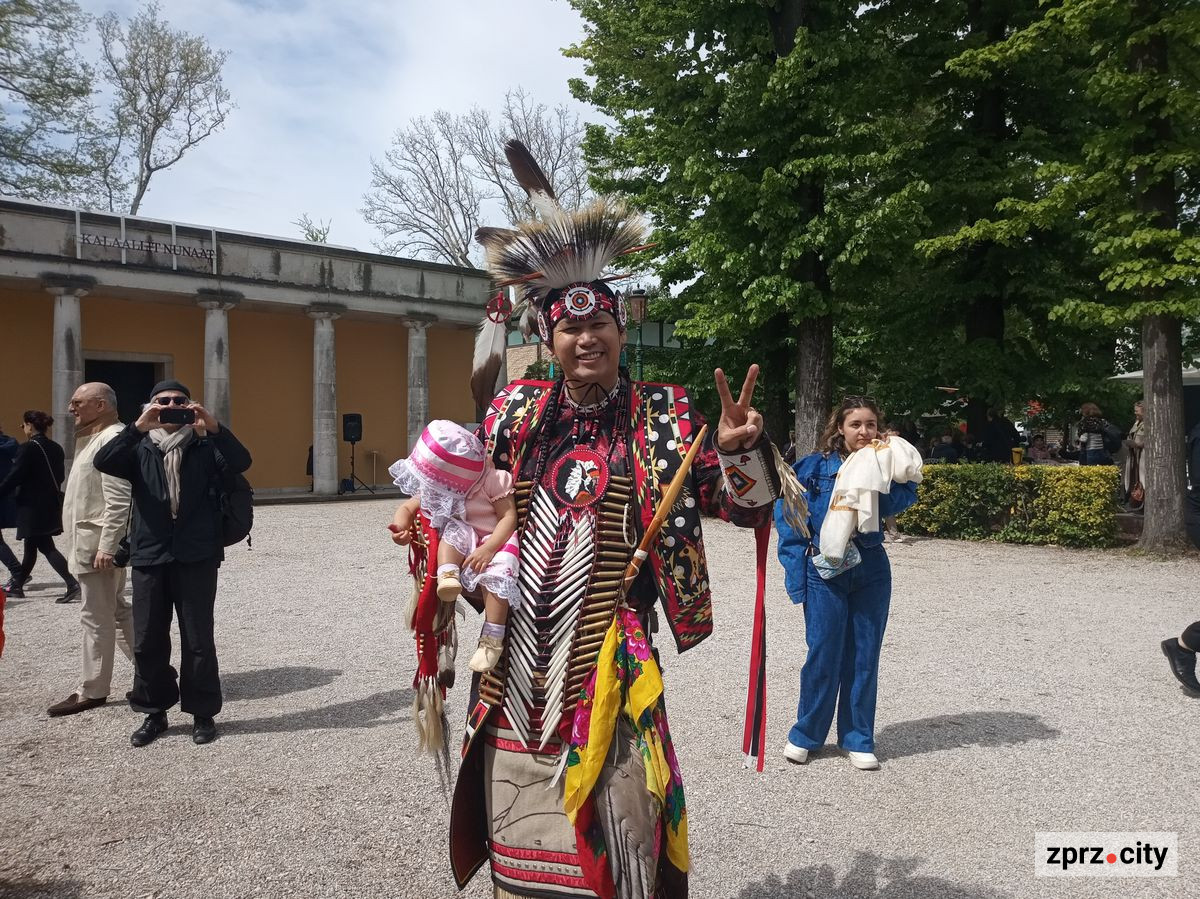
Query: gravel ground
[[1022, 690]]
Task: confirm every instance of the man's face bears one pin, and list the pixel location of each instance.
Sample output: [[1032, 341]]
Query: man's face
[[589, 350], [165, 400], [86, 406]]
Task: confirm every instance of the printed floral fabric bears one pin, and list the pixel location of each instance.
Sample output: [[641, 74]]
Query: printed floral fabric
[[627, 682]]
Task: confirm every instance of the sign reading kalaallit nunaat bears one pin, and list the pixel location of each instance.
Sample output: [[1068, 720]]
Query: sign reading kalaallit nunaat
[[147, 246]]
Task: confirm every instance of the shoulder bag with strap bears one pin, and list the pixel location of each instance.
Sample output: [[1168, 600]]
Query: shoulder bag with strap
[[50, 470]]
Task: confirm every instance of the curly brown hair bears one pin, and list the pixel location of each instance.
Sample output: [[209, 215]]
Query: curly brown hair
[[831, 440]]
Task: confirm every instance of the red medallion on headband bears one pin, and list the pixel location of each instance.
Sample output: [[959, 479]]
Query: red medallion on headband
[[580, 302]]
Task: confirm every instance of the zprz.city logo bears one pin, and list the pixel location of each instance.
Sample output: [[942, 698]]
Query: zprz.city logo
[[1098, 854]]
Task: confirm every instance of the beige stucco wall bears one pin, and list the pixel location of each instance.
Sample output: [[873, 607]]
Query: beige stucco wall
[[26, 318], [270, 361]]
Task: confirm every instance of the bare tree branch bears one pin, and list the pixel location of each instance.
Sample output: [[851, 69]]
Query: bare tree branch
[[422, 198], [428, 194], [314, 232]]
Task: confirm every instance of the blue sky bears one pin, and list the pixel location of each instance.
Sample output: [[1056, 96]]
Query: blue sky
[[321, 86]]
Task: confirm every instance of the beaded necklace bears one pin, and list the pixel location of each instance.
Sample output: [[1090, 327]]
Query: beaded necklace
[[585, 424]]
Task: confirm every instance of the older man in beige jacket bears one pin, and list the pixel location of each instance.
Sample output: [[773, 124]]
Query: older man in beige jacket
[[95, 519]]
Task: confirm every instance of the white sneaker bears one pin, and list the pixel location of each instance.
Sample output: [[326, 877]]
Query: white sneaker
[[794, 753], [863, 761]]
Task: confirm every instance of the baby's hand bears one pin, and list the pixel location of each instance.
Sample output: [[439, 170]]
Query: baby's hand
[[479, 560], [401, 536]]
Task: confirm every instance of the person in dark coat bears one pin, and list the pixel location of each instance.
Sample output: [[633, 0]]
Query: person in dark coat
[[36, 479], [999, 438], [8, 509], [176, 548], [944, 450]]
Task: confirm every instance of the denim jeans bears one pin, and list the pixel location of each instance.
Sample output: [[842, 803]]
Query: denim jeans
[[844, 620]]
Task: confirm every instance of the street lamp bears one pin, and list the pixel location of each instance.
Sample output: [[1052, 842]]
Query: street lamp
[[637, 313]]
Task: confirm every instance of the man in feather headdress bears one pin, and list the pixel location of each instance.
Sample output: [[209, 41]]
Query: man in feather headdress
[[569, 783]]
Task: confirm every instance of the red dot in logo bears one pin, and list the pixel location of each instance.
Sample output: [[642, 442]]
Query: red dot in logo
[[1111, 858]]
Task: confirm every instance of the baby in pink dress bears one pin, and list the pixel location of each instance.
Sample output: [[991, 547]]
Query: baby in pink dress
[[469, 502]]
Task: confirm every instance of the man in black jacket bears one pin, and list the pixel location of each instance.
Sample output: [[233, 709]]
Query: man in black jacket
[[175, 548]]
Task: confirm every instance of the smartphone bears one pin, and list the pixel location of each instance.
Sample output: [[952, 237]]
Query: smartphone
[[175, 415]]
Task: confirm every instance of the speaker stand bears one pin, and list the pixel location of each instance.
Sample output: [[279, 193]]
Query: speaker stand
[[354, 478]]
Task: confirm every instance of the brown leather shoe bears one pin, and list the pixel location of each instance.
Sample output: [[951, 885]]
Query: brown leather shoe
[[74, 704]]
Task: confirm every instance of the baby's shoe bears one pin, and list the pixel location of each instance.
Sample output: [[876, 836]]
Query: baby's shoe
[[487, 655], [448, 587]]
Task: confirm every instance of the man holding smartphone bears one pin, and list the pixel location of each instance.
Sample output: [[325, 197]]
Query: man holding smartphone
[[176, 456]]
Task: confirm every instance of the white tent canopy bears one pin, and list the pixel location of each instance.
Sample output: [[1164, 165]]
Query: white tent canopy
[[1190, 376]]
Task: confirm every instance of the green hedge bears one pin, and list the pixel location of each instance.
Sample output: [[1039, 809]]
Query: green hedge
[[1063, 505]]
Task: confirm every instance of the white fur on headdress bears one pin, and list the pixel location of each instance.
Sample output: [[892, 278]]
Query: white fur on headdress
[[561, 248]]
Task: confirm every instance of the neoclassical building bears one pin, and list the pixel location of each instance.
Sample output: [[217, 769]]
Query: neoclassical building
[[278, 337]]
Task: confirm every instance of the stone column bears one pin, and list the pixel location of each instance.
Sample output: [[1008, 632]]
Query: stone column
[[216, 305], [418, 377], [324, 398], [67, 351]]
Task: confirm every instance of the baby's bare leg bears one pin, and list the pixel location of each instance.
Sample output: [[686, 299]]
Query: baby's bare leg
[[495, 609], [448, 555]]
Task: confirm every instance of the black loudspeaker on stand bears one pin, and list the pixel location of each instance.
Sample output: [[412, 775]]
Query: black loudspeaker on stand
[[352, 434]]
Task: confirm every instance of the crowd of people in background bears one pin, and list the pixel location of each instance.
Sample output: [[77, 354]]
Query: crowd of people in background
[[1091, 440]]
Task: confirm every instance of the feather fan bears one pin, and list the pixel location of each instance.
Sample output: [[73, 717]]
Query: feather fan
[[543, 255], [570, 248]]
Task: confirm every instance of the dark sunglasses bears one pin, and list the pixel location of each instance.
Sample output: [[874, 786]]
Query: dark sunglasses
[[168, 400]]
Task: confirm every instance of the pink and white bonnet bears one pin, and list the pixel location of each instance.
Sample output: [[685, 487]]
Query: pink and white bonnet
[[446, 461]]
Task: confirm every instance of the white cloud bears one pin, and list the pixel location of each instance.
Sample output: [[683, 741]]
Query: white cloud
[[321, 87]]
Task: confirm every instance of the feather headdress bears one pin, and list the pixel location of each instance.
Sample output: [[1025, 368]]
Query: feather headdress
[[558, 262]]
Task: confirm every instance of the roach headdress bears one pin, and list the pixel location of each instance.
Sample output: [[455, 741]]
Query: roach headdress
[[557, 264]]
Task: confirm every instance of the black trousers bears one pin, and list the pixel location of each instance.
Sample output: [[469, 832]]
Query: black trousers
[[1191, 636], [9, 560], [189, 589], [45, 546]]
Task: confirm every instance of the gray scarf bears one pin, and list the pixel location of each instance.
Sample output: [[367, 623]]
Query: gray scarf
[[171, 446]]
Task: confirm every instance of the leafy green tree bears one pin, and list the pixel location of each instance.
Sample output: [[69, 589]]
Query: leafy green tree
[[168, 96], [1135, 189], [45, 91], [761, 141], [970, 307]]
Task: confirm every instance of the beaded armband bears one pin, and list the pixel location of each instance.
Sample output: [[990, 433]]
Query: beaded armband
[[751, 476]]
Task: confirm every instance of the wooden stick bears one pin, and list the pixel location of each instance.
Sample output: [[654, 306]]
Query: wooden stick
[[670, 494]]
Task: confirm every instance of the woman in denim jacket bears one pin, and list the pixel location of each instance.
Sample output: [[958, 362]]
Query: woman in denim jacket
[[845, 616]]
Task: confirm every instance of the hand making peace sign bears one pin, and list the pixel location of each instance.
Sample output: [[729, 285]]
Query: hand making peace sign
[[740, 425]]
